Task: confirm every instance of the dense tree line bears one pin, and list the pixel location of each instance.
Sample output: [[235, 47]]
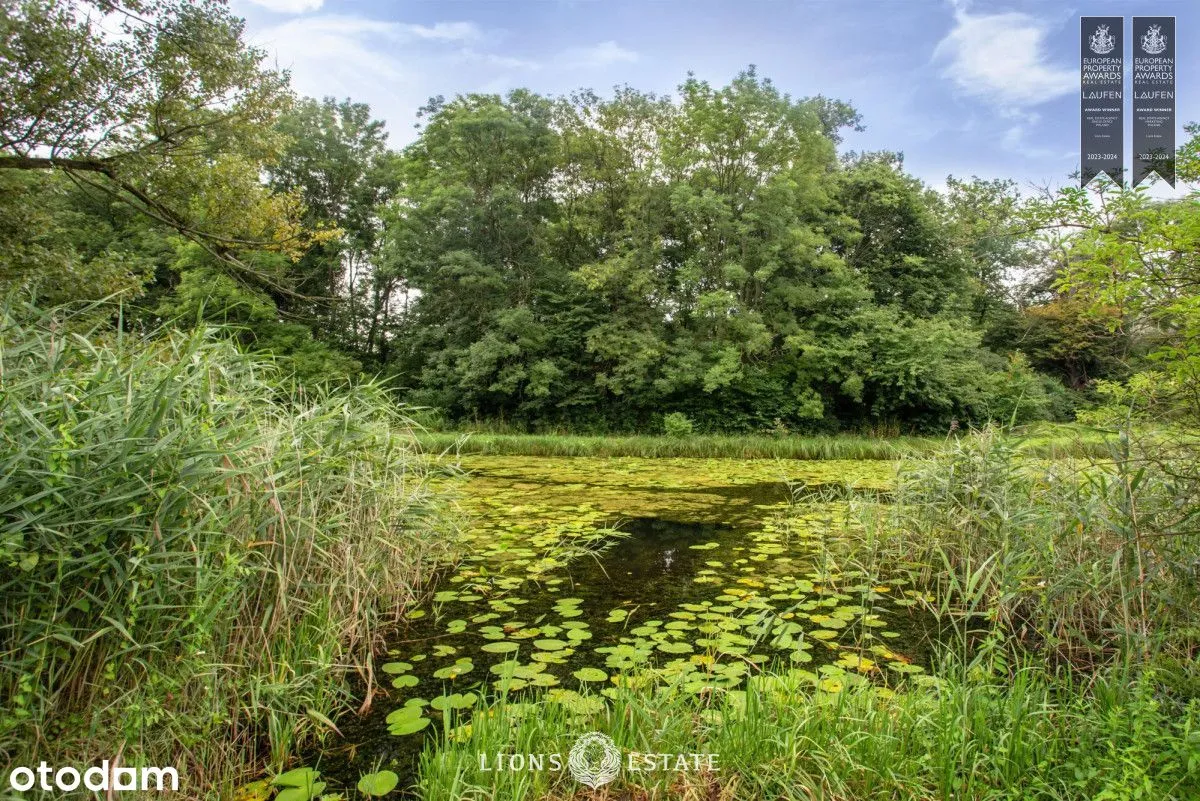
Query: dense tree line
[[589, 261]]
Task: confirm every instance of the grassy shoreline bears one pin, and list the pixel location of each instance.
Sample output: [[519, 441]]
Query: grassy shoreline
[[1045, 441]]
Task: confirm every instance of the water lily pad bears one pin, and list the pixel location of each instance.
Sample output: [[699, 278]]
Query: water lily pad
[[499, 647], [396, 668], [454, 671], [306, 793], [406, 680], [454, 701], [298, 777], [409, 726], [404, 713], [590, 674], [377, 784]]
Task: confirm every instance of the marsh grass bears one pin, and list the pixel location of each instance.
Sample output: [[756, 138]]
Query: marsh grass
[[1050, 442], [691, 446], [195, 557], [1086, 560]]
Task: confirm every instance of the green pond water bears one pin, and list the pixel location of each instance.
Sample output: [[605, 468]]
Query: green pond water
[[583, 573]]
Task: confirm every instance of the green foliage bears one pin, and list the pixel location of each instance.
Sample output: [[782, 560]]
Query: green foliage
[[171, 116], [336, 158], [595, 261], [1049, 441], [1133, 263], [1090, 561], [677, 424], [898, 241], [192, 559], [208, 296], [378, 784], [57, 245]]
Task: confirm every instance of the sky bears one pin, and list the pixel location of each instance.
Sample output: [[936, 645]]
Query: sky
[[960, 87]]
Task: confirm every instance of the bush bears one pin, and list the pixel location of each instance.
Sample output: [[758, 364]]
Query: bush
[[677, 424], [192, 560]]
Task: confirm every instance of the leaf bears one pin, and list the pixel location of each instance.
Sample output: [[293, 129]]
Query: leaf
[[323, 720], [297, 777], [404, 714], [590, 674], [410, 726], [377, 784], [301, 793]]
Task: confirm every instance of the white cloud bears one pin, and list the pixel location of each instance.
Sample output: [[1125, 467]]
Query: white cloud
[[1001, 57], [445, 31], [289, 6], [597, 55], [496, 60], [329, 49], [394, 66]]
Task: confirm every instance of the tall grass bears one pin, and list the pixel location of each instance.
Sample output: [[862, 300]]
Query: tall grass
[[1089, 560], [697, 446], [976, 731], [1049, 443], [193, 558]]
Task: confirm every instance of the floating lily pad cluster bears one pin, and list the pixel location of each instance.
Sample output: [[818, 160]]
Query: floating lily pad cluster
[[528, 614]]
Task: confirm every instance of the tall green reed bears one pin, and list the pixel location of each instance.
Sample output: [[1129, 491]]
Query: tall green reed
[[194, 556]]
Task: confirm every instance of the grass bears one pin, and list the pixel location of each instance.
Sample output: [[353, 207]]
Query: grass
[[196, 559], [1047, 441], [696, 446], [1088, 561], [979, 730]]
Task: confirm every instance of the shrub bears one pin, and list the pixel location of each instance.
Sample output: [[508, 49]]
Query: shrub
[[677, 424]]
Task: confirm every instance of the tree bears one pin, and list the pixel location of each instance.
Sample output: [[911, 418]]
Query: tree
[[336, 159], [1124, 250], [158, 103], [898, 241]]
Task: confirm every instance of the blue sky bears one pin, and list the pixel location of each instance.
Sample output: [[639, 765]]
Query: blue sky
[[962, 87]]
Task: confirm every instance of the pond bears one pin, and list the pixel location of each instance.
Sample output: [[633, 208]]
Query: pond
[[582, 573]]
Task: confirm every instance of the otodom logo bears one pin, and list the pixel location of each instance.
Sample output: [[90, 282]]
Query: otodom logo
[[98, 778], [594, 760]]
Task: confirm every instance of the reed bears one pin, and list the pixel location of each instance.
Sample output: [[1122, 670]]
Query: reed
[[195, 556]]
